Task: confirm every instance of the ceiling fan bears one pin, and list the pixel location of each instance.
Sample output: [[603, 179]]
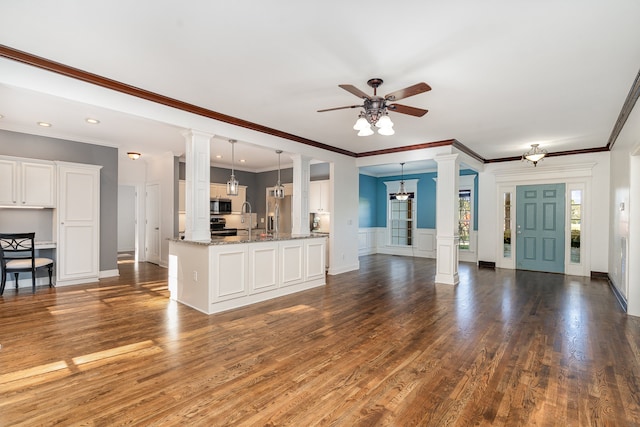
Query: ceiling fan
[[376, 107]]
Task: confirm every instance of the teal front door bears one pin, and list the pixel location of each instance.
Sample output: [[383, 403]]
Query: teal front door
[[540, 227]]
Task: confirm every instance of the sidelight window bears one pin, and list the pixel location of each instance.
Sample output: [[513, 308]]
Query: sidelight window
[[506, 225], [576, 223], [464, 222]]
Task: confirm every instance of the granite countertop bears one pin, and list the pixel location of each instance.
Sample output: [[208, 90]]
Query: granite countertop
[[256, 238]]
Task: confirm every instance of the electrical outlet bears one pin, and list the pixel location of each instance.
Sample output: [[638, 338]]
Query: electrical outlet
[[261, 220], [195, 276]]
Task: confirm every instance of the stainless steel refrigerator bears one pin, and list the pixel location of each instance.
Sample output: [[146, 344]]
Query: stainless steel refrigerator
[[278, 213]]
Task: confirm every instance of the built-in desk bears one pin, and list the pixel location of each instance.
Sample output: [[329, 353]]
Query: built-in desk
[[45, 245]]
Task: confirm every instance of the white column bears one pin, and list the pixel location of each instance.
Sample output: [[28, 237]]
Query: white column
[[300, 199], [198, 160], [447, 219]]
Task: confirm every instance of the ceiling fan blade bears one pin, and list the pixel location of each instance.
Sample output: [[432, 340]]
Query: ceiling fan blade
[[405, 109], [354, 90], [408, 91], [339, 108]]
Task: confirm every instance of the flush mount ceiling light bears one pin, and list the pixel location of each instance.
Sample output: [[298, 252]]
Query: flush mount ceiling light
[[232, 184], [535, 154], [92, 121], [402, 194], [376, 108], [278, 190], [133, 155], [44, 124]]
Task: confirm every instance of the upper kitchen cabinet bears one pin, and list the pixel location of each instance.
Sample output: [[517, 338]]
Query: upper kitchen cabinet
[[218, 191], [27, 183], [237, 201], [319, 196]]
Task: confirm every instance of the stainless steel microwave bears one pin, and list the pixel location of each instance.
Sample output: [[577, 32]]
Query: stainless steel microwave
[[220, 206]]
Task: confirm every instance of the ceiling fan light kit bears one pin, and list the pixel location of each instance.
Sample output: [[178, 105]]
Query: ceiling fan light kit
[[376, 108], [534, 155]]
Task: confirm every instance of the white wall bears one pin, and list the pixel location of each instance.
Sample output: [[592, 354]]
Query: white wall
[[551, 170], [343, 233], [624, 229]]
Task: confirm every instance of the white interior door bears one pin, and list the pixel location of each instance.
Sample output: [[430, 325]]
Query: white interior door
[[126, 218], [152, 229]]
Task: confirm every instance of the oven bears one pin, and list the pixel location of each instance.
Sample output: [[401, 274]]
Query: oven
[[219, 229]]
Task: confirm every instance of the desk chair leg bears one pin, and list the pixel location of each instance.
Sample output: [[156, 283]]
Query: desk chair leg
[[4, 282], [16, 277], [33, 281], [50, 282]]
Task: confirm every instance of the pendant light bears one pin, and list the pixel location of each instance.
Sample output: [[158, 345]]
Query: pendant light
[[278, 190], [232, 184], [402, 195]]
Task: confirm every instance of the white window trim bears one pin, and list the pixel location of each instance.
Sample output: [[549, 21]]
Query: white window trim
[[410, 186]]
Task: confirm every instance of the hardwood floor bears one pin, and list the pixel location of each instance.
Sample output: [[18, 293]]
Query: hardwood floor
[[382, 346]]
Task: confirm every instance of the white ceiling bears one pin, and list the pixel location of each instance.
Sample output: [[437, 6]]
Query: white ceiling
[[504, 74]]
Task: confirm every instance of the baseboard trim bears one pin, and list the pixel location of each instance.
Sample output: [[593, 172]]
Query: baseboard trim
[[487, 264], [109, 273], [616, 292]]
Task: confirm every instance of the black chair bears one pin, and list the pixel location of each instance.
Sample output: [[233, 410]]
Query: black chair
[[17, 255]]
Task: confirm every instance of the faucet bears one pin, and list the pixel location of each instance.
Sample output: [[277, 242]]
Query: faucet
[[243, 210]]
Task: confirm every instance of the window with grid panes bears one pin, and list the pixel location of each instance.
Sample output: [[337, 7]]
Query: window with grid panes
[[401, 220]]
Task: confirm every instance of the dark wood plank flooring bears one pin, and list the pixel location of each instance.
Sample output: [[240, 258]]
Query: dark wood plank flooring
[[383, 346]]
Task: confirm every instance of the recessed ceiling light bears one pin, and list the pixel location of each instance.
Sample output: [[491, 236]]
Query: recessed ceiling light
[[44, 124], [242, 160], [218, 156], [92, 121]]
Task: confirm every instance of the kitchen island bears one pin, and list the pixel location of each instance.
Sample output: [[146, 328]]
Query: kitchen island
[[230, 272]]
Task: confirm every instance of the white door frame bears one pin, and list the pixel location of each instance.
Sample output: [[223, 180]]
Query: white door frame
[[575, 177]]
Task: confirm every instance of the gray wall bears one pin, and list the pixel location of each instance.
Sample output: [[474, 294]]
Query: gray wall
[[45, 148], [257, 183]]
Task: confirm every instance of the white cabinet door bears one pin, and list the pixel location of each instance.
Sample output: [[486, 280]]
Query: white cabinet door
[[218, 191], [8, 182], [24, 183], [319, 196], [78, 249], [314, 258], [263, 262], [291, 262], [38, 184], [237, 201], [229, 267]]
